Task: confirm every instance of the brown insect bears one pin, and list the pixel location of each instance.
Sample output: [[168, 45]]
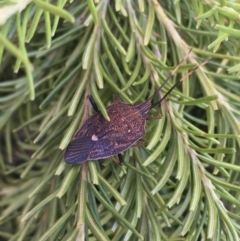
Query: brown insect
[[98, 138]]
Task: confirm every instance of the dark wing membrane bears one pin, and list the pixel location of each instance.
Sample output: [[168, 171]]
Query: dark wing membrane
[[78, 150]]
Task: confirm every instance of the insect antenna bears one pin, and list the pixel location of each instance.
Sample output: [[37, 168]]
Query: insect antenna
[[170, 76], [93, 103], [179, 81]]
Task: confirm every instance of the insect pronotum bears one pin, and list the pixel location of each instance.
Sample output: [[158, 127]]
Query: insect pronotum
[[98, 138]]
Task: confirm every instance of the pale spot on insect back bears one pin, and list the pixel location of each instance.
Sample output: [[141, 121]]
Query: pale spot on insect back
[[94, 138]]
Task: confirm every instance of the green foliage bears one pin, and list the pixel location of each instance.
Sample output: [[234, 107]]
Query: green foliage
[[183, 183]]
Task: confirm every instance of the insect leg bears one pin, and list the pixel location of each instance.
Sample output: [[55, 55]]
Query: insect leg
[[93, 103], [159, 116], [120, 158], [139, 143], [154, 117]]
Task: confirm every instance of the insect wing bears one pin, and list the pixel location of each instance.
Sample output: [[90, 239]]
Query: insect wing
[[82, 149], [78, 150], [112, 144]]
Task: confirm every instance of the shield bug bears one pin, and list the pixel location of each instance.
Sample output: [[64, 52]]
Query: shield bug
[[98, 138]]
